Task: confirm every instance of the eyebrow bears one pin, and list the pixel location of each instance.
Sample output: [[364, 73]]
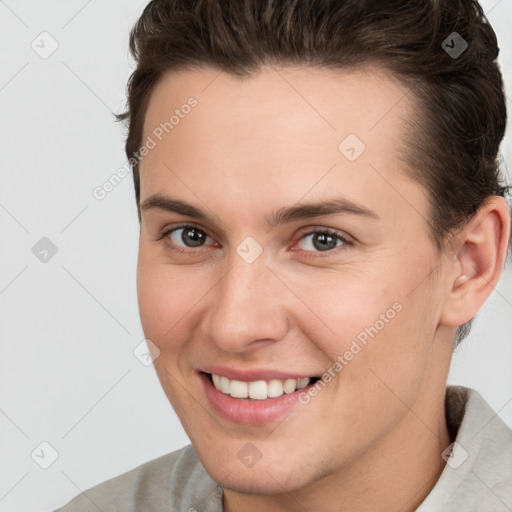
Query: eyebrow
[[284, 215]]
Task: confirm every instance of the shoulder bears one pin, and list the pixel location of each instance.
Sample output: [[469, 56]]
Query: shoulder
[[478, 472], [145, 488], [488, 449]]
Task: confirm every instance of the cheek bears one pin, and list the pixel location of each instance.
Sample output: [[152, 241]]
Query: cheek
[[379, 319], [336, 308], [165, 297]]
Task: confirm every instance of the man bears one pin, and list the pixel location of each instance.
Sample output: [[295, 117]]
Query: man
[[321, 218]]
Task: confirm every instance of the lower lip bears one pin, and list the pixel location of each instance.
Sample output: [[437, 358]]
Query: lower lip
[[249, 412]]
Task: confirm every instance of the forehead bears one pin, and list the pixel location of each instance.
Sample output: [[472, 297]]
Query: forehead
[[284, 128], [335, 102]]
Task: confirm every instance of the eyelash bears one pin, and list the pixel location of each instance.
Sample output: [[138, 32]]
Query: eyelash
[[323, 231]]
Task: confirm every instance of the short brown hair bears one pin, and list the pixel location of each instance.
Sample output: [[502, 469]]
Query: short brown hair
[[461, 115]]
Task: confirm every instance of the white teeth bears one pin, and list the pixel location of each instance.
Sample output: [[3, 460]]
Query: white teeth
[[275, 388], [217, 381], [239, 389], [302, 383], [290, 385], [225, 385], [260, 389]]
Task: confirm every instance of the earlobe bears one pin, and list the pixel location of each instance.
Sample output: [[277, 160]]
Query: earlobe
[[484, 242]]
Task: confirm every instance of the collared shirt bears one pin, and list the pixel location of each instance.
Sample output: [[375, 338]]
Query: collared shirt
[[476, 478]]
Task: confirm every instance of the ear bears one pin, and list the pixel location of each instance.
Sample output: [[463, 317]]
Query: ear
[[479, 262]]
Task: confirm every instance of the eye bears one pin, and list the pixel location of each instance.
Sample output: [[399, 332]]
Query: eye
[[190, 236], [323, 240]]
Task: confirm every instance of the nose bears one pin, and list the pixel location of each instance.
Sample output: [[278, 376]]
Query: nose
[[248, 307]]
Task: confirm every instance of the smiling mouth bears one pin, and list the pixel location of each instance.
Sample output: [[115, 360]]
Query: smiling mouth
[[259, 389]]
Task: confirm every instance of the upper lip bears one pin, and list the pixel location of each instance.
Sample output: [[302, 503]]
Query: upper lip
[[254, 374]]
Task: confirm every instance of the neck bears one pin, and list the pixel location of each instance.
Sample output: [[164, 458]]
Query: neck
[[394, 475]]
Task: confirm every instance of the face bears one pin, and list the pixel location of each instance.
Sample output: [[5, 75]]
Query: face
[[239, 279]]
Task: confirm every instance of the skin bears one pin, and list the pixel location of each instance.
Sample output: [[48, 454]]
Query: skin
[[371, 440]]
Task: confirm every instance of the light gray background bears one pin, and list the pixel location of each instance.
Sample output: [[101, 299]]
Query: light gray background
[[68, 327]]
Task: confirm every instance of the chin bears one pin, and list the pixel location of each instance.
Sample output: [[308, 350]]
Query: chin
[[270, 483], [263, 478], [250, 486]]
